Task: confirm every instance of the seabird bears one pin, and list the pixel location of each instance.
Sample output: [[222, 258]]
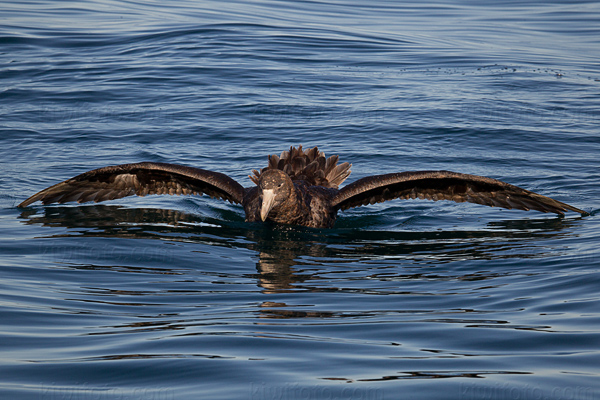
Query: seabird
[[299, 187]]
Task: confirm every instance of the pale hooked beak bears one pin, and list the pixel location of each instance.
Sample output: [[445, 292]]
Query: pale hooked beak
[[268, 201]]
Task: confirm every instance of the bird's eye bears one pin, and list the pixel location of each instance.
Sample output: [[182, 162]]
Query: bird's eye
[[280, 185]]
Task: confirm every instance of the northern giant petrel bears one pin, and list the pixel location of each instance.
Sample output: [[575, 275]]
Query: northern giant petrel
[[299, 187]]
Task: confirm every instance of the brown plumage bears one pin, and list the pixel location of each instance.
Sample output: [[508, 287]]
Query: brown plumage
[[311, 166], [299, 187]]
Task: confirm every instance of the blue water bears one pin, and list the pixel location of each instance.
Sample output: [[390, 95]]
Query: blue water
[[179, 298]]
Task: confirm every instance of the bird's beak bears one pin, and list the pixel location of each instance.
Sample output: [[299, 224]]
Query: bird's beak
[[268, 201]]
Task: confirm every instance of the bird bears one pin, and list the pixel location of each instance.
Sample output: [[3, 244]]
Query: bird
[[299, 187]]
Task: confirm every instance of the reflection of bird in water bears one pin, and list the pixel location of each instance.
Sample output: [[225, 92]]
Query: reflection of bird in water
[[298, 187]]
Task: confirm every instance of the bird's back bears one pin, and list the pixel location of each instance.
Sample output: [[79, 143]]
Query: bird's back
[[310, 166]]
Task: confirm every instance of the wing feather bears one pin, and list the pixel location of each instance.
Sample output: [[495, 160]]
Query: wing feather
[[140, 179], [445, 185]]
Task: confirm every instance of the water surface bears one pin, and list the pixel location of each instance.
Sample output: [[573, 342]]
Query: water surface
[[179, 298]]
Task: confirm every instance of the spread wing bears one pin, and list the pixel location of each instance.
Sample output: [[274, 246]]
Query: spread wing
[[140, 179], [445, 185]]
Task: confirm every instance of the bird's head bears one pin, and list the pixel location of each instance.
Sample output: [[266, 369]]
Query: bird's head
[[275, 187]]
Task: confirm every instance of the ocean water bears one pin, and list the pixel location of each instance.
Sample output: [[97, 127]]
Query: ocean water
[[178, 298]]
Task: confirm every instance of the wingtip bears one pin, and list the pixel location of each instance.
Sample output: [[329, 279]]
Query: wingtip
[[27, 202], [568, 208], [583, 213]]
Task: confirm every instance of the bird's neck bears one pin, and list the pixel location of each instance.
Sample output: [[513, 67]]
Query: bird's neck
[[292, 209]]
